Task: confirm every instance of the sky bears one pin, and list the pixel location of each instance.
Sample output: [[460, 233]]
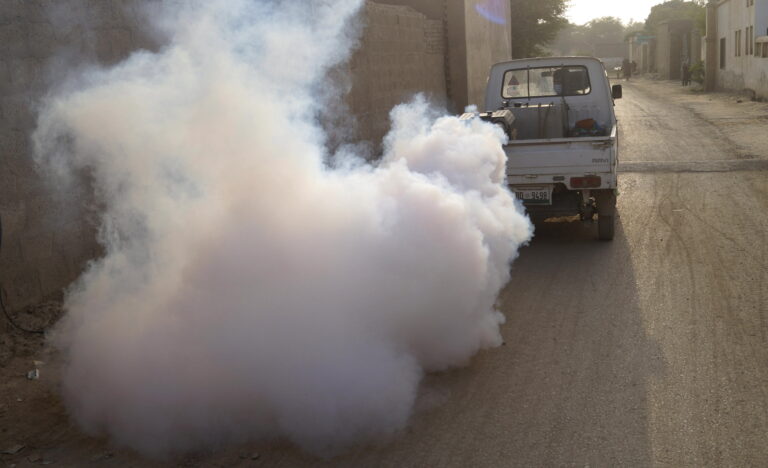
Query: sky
[[582, 11]]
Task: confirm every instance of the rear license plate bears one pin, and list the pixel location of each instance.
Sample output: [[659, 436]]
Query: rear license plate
[[534, 195]]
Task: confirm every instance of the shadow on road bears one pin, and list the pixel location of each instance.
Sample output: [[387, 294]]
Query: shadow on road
[[579, 358]]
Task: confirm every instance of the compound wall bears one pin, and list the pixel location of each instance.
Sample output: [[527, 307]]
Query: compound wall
[[48, 236], [46, 242], [402, 53]]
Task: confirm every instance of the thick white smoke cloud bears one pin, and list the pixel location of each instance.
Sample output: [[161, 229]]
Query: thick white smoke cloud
[[248, 290]]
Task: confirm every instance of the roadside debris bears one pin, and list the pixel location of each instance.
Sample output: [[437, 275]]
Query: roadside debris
[[102, 456], [13, 449], [33, 374], [39, 459]]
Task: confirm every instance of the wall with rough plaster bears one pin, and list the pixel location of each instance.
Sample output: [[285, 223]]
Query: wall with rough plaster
[[48, 236], [46, 240], [402, 53]]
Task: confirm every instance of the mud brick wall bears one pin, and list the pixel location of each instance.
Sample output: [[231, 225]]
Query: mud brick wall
[[402, 53], [46, 243]]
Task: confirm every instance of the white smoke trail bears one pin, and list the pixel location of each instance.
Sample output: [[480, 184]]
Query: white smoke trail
[[247, 290]]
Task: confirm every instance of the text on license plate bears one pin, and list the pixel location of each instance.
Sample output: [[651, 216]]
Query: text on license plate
[[534, 196]]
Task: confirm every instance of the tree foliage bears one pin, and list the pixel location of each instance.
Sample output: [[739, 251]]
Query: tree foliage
[[592, 37], [535, 23], [604, 30], [693, 10]]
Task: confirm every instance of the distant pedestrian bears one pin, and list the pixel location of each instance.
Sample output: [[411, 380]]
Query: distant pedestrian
[[626, 67], [686, 73]]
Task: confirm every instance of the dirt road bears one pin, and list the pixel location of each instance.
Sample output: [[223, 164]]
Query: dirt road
[[650, 350]]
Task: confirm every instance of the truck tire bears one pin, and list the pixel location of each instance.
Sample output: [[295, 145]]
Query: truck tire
[[605, 227], [606, 209]]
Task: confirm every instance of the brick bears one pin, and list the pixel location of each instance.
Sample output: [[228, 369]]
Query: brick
[[13, 41], [121, 42], [33, 11], [100, 12], [5, 78], [41, 40], [26, 74], [13, 142], [55, 274], [14, 219], [9, 12], [17, 114], [24, 287], [8, 190], [36, 247]]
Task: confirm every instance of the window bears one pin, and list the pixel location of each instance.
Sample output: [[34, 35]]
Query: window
[[748, 41], [546, 82], [722, 52], [737, 44]]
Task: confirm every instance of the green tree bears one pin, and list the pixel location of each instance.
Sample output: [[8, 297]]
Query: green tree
[[535, 24], [605, 30], [592, 37], [693, 10]]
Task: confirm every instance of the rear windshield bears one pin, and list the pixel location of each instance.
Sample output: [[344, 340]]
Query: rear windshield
[[546, 82]]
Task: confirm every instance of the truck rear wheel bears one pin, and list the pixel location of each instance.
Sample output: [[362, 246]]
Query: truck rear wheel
[[605, 227], [606, 209]]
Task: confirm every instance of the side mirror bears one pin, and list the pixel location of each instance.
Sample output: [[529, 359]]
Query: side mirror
[[617, 91]]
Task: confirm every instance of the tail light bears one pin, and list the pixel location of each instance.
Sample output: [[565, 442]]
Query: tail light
[[586, 182]]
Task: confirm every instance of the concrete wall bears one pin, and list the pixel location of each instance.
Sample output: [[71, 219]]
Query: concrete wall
[[474, 44], [45, 242], [674, 45], [745, 71], [663, 51], [634, 52], [487, 43]]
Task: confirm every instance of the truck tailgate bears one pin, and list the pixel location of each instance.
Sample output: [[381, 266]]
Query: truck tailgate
[[561, 156]]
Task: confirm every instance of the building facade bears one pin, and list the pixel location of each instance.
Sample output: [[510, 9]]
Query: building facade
[[737, 46]]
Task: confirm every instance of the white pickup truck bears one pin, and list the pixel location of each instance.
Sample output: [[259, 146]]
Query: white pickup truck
[[563, 138]]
